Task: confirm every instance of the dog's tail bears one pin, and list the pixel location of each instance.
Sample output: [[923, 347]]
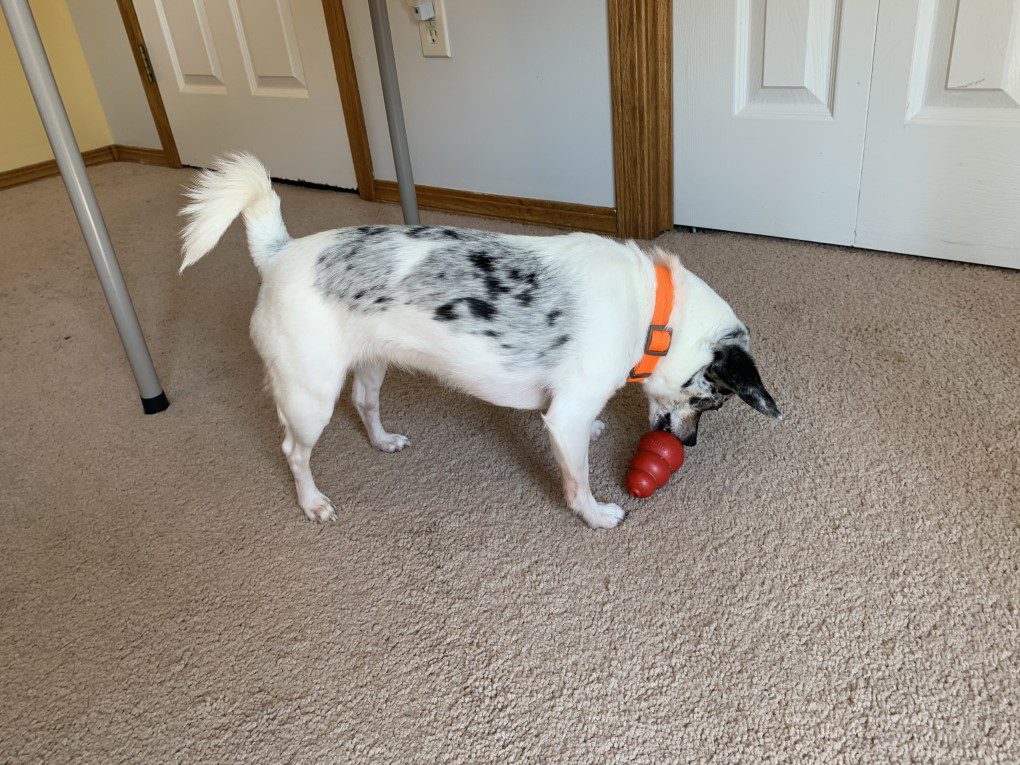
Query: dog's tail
[[238, 184]]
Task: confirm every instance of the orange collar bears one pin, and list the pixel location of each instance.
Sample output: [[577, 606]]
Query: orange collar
[[659, 334]]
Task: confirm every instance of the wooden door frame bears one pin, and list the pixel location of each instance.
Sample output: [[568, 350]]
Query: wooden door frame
[[350, 96], [641, 85], [640, 79], [134, 33]]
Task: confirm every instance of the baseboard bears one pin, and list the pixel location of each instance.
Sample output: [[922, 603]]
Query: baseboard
[[123, 153], [28, 173], [100, 156], [522, 210]]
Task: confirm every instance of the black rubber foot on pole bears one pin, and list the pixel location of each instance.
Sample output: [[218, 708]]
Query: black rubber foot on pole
[[155, 404]]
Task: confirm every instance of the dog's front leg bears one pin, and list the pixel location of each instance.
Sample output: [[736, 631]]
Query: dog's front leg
[[570, 421]]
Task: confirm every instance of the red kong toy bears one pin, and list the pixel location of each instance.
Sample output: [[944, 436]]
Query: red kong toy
[[659, 455]]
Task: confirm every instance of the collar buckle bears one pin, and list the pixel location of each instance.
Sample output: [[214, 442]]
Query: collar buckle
[[657, 343], [661, 348]]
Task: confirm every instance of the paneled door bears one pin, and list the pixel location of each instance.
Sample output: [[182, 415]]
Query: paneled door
[[942, 160], [254, 75], [886, 124], [771, 101]]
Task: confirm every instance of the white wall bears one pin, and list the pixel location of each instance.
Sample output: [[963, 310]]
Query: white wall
[[522, 108], [108, 52]]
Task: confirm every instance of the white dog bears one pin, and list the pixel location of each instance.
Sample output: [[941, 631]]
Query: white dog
[[555, 323]]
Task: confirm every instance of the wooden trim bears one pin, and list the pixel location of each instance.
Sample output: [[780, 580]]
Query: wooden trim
[[134, 32], [350, 96], [99, 156], [641, 84], [122, 153], [19, 175], [537, 211]]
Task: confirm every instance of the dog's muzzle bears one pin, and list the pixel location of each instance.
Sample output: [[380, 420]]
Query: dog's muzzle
[[684, 428]]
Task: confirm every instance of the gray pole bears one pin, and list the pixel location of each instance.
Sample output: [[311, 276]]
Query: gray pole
[[394, 109], [58, 129]]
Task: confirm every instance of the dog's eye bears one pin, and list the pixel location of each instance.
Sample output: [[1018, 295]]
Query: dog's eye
[[705, 403]]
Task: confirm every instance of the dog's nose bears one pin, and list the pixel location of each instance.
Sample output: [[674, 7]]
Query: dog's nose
[[690, 440]]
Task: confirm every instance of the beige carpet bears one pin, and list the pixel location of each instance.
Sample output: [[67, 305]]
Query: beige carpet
[[843, 586]]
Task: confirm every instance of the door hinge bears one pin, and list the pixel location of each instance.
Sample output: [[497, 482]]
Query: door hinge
[[143, 52]]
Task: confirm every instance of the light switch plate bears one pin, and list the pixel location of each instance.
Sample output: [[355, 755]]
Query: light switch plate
[[435, 37]]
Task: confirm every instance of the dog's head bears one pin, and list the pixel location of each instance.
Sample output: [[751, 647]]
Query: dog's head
[[709, 361]]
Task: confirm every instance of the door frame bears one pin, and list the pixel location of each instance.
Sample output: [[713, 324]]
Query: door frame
[[641, 85], [152, 95], [641, 94]]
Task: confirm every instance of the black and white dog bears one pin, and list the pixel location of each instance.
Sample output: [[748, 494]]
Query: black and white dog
[[553, 323]]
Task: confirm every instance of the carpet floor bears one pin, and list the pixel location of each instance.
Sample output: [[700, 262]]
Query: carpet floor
[[843, 586]]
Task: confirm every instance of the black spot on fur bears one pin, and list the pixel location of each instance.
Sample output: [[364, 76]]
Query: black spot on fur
[[360, 294], [447, 312], [416, 232], [481, 260], [561, 340], [481, 309], [494, 287], [552, 316], [524, 298], [492, 333]]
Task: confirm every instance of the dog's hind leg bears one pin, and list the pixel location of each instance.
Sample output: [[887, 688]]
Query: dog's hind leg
[[305, 407], [570, 421], [368, 379]]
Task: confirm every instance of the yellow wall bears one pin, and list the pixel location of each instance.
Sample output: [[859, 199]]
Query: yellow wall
[[22, 140]]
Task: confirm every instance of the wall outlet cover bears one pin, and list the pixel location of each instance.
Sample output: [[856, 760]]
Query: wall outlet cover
[[435, 36]]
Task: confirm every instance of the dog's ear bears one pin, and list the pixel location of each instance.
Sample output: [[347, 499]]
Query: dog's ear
[[733, 368]]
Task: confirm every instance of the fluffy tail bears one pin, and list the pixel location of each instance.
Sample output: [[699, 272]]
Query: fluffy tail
[[238, 184]]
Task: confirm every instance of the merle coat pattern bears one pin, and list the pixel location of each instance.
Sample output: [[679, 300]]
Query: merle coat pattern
[[480, 283]]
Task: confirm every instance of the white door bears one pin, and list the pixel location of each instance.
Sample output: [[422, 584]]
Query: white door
[[254, 75], [771, 106], [887, 124], [942, 160]]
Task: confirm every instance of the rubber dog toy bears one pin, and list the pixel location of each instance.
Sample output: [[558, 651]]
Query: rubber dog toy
[[659, 455]]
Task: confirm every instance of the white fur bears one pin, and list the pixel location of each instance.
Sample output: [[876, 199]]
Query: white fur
[[309, 344]]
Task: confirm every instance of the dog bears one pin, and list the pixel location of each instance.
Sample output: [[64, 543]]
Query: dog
[[553, 323]]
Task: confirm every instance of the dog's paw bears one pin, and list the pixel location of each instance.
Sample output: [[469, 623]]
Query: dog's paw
[[604, 516], [320, 510], [596, 429], [391, 442]]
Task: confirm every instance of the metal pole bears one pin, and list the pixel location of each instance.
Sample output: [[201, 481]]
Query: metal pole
[[72, 169], [394, 109]]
